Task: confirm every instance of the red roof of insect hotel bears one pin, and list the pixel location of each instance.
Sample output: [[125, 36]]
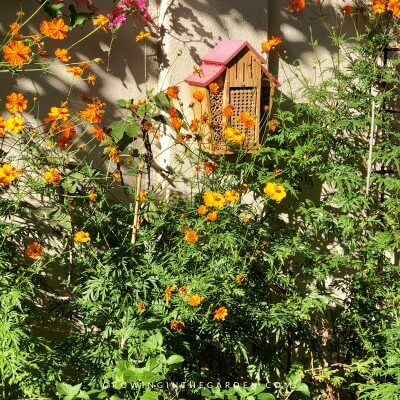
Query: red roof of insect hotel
[[216, 61]]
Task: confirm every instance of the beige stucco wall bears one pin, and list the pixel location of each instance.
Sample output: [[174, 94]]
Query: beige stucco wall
[[192, 27]]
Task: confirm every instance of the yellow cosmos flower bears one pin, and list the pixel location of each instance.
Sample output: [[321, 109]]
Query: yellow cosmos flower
[[234, 135], [275, 192], [142, 35], [221, 313], [213, 199], [195, 300], [82, 237], [14, 125], [231, 196]]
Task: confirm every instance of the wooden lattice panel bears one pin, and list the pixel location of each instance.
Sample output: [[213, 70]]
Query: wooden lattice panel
[[244, 99], [216, 100]]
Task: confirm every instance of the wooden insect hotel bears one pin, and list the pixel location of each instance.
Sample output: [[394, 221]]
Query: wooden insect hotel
[[243, 83]]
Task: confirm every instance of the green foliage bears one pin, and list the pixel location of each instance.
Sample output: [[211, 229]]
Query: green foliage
[[309, 283]]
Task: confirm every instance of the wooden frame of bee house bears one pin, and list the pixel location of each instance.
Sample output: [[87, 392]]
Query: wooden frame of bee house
[[243, 82]]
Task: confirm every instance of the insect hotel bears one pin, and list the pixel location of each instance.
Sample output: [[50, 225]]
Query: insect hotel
[[231, 74]]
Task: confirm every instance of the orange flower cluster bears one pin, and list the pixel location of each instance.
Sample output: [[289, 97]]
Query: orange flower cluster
[[67, 135], [52, 176], [113, 153], [168, 293], [94, 111], [380, 6], [55, 29], [8, 174]]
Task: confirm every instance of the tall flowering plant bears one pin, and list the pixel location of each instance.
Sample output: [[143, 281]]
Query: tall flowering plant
[[248, 277]]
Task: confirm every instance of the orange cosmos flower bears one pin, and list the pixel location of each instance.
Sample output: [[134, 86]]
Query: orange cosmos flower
[[209, 166], [62, 55], [183, 290], [98, 133], [176, 326], [91, 79], [68, 133], [168, 293], [55, 29], [273, 124], [2, 126], [202, 210], [246, 119], [76, 71], [239, 280], [394, 6], [92, 195], [214, 88], [82, 237], [191, 236], [143, 195], [15, 27], [8, 174], [198, 95], [173, 92], [176, 123], [195, 300], [52, 177], [57, 114], [101, 21], [271, 44], [34, 250], [113, 154], [194, 125], [212, 216], [379, 6], [142, 35], [172, 112], [347, 10], [140, 307], [94, 111], [221, 313], [296, 5], [16, 103], [16, 53], [228, 111]]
